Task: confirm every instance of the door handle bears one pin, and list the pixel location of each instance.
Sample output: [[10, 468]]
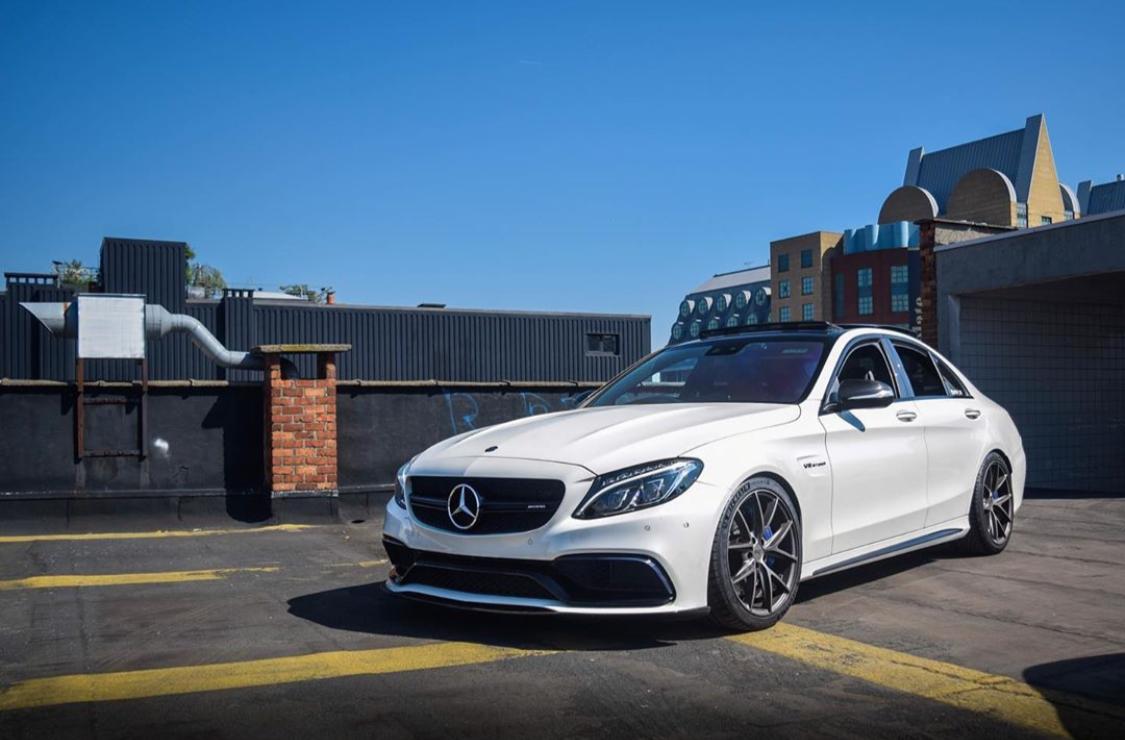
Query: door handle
[[905, 415], [972, 413]]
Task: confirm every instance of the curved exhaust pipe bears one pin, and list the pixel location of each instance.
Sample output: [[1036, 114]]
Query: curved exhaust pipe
[[159, 322], [61, 321]]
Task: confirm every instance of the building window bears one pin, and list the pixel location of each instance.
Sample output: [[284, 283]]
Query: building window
[[751, 318], [1044, 220], [838, 296], [806, 286], [865, 304], [1021, 215], [807, 312], [783, 313], [806, 258], [1068, 215], [783, 262], [900, 288], [603, 344], [783, 289]]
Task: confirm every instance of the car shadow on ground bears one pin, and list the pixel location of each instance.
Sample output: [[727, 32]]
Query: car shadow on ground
[[370, 608], [1088, 693]]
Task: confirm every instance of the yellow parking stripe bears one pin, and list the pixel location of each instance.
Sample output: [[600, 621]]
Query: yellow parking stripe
[[127, 579], [18, 538], [1003, 698], [42, 692]]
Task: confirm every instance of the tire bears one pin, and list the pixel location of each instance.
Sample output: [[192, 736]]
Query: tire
[[992, 511], [751, 553]]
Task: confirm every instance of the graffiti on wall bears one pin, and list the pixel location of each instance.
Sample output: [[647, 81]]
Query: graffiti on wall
[[465, 409]]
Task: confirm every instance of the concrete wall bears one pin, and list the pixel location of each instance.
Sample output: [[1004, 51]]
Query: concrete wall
[[383, 427], [200, 440], [1036, 318], [208, 441]]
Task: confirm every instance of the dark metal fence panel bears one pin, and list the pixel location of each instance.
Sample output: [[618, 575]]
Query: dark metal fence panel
[[154, 268], [197, 364], [387, 343], [238, 328], [423, 344], [27, 349]]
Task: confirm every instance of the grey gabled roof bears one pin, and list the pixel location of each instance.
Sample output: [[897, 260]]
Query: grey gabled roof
[[939, 171], [1109, 196], [1011, 153], [731, 279]]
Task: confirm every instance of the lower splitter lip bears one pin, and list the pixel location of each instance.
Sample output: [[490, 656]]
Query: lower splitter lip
[[529, 607]]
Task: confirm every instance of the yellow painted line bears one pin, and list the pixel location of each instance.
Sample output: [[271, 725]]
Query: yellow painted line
[[42, 692], [127, 579], [1000, 697], [361, 564], [159, 534]]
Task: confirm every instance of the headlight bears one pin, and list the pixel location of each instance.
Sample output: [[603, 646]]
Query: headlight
[[402, 483], [638, 488]]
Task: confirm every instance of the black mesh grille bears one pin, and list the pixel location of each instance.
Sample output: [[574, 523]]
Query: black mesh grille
[[591, 579], [507, 504]]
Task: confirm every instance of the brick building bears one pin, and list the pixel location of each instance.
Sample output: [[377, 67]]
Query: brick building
[[802, 289], [875, 275]]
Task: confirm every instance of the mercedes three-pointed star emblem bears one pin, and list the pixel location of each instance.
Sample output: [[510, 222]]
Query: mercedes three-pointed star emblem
[[463, 506]]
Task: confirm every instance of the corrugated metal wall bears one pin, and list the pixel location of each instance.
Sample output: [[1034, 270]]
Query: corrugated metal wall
[[388, 343]]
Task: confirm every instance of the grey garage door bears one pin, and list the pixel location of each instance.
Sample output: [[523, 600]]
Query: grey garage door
[[1058, 366]]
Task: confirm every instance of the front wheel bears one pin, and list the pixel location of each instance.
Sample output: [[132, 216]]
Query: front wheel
[[755, 557], [993, 509]]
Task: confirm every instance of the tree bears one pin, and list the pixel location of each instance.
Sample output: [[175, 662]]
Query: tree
[[206, 277], [302, 290], [73, 274]]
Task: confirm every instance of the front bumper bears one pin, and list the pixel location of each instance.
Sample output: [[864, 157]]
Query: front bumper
[[672, 540]]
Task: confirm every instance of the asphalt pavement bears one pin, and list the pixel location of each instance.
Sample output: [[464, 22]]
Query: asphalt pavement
[[241, 631]]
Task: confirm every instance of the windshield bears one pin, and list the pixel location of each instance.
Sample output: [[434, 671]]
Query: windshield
[[730, 371]]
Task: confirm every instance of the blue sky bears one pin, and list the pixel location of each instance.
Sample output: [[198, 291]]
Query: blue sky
[[560, 155]]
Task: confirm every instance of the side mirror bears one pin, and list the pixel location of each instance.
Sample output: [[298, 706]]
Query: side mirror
[[863, 394]]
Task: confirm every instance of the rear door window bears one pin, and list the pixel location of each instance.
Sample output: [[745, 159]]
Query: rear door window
[[921, 371]]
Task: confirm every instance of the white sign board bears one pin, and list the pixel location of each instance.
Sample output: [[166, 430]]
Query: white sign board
[[111, 326]]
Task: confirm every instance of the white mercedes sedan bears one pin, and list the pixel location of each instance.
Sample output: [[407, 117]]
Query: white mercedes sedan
[[712, 477]]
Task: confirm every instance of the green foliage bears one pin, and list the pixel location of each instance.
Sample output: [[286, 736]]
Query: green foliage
[[206, 277], [73, 274], [302, 290]]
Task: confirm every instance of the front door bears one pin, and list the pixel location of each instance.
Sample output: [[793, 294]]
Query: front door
[[877, 457]]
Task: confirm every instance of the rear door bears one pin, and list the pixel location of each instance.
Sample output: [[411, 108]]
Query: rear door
[[954, 429], [877, 457]]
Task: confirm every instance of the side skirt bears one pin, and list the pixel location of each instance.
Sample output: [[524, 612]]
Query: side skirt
[[947, 534]]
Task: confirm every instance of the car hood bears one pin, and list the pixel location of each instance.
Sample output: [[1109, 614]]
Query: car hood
[[603, 439]]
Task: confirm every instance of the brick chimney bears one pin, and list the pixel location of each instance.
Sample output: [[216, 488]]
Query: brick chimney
[[300, 422]]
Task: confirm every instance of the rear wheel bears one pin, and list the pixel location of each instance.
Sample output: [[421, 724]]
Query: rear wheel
[[755, 557], [993, 510]]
